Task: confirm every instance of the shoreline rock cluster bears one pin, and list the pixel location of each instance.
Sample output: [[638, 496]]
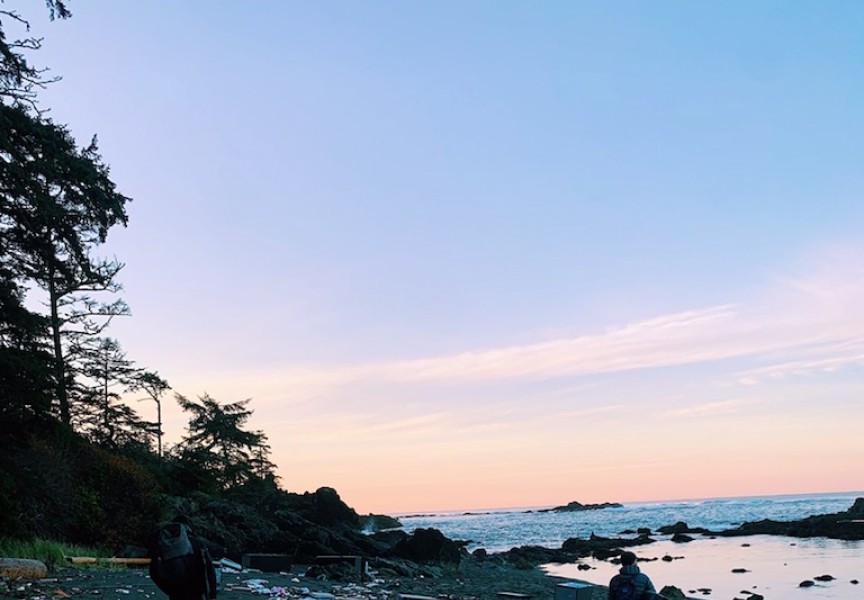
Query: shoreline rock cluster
[[427, 560], [845, 525], [324, 525]]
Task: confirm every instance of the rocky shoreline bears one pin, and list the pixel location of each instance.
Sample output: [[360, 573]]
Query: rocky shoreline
[[424, 563]]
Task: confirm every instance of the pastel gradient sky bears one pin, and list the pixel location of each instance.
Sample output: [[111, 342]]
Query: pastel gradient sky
[[489, 254]]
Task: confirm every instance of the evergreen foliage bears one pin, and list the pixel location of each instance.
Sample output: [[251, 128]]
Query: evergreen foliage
[[77, 462], [57, 204], [217, 445]]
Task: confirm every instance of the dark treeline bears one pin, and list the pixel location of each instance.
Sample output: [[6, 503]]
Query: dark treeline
[[77, 464]]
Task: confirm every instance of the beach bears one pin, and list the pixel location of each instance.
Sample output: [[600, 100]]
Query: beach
[[472, 580], [772, 566]]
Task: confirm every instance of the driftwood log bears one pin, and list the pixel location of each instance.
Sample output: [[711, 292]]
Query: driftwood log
[[92, 560], [22, 568]]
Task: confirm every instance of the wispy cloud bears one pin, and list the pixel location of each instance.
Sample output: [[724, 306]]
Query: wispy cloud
[[685, 338], [710, 408], [589, 412], [824, 359], [801, 324]]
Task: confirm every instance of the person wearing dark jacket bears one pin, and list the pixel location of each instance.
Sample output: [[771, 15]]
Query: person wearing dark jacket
[[630, 583], [181, 566]]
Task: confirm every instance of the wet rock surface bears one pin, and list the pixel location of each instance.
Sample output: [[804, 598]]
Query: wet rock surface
[[845, 525]]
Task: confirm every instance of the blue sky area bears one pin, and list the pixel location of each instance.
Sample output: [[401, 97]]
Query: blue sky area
[[493, 253]]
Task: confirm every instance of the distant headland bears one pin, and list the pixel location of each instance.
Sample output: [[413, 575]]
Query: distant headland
[[578, 506]]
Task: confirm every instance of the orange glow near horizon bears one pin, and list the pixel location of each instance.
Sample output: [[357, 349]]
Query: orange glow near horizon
[[734, 400]]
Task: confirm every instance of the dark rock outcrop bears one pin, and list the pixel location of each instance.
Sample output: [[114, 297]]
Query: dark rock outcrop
[[429, 546], [672, 593], [846, 525], [681, 527], [597, 545], [325, 507], [571, 550], [577, 507], [527, 557], [380, 543], [301, 525], [372, 522]]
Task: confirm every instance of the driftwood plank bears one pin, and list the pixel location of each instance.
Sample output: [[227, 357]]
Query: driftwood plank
[[92, 560]]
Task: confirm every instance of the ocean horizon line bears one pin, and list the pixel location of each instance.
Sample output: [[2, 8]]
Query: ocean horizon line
[[653, 502]]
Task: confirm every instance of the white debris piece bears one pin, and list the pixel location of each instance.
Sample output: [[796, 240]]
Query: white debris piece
[[257, 586], [230, 564]]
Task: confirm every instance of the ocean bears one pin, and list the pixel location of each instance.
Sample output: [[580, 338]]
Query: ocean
[[775, 564]]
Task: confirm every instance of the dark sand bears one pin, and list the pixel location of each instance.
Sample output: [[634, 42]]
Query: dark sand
[[472, 580]]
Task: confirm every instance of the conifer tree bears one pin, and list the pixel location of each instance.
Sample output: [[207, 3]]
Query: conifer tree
[[218, 445], [57, 203]]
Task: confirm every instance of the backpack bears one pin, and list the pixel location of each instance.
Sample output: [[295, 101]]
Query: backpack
[[625, 589], [178, 568], [173, 542]]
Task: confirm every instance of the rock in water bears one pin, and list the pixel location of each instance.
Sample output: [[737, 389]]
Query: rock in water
[[672, 593]]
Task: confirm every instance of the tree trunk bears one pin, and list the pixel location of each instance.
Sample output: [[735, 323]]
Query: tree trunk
[[59, 363]]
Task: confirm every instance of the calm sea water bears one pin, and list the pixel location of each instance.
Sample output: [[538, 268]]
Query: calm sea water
[[775, 564]]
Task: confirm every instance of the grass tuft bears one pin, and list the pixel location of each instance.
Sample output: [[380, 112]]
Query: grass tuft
[[51, 553]]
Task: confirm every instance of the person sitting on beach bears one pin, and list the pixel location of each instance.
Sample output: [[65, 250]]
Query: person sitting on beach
[[180, 564], [631, 583]]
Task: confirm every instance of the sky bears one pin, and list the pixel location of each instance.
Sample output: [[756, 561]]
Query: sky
[[492, 254]]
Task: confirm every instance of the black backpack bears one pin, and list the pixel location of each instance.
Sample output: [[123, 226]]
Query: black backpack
[[177, 567], [625, 589], [173, 542]]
